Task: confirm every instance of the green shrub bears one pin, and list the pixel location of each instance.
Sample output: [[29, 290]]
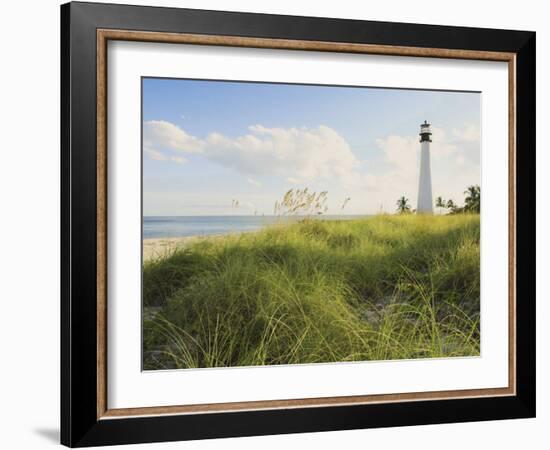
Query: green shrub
[[387, 287]]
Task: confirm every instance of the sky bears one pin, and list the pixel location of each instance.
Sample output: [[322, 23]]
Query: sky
[[208, 143]]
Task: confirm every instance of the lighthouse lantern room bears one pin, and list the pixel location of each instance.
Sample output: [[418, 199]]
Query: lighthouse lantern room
[[425, 202]]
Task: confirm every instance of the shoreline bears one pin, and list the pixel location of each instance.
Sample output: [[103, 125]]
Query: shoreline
[[160, 247]]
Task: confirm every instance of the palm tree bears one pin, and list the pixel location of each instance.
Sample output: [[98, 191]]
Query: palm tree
[[440, 203], [403, 206], [451, 205], [472, 201]]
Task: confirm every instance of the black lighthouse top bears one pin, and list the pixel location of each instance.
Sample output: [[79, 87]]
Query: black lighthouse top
[[425, 132]]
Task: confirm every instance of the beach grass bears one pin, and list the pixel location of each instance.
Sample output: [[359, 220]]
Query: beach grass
[[379, 288]]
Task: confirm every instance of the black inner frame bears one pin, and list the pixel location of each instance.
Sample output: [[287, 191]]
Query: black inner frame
[[79, 423]]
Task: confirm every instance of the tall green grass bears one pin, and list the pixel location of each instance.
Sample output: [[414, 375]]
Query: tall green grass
[[387, 287]]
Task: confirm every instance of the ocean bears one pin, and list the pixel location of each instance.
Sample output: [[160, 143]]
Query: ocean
[[182, 226]]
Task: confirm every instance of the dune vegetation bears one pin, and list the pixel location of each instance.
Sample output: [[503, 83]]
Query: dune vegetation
[[378, 288]]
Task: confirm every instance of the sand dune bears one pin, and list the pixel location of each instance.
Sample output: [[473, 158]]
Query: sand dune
[[158, 247]]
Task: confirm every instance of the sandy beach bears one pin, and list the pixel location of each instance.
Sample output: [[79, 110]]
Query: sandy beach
[[158, 247]]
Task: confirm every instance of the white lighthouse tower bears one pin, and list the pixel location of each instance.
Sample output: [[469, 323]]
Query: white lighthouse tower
[[425, 203]]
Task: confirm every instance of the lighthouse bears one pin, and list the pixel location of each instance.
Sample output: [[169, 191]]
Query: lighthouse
[[425, 203]]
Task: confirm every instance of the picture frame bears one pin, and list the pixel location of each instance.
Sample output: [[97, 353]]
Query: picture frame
[[86, 29]]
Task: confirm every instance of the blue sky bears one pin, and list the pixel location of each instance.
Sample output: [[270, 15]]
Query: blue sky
[[209, 142]]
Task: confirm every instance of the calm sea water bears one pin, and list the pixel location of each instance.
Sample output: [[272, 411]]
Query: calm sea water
[[181, 226]]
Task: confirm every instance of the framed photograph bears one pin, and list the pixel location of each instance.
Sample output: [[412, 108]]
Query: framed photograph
[[277, 224]]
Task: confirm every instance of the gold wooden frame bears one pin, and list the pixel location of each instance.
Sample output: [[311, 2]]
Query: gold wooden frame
[[103, 36]]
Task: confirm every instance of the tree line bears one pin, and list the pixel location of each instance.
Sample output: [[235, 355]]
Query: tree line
[[472, 203]]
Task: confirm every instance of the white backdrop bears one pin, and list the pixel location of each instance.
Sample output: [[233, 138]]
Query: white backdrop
[[29, 186]]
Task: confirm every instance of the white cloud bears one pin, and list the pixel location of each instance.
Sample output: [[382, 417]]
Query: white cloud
[[254, 182], [298, 153], [320, 156], [178, 159], [248, 205], [155, 154], [159, 156], [469, 134], [163, 135], [454, 163]]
